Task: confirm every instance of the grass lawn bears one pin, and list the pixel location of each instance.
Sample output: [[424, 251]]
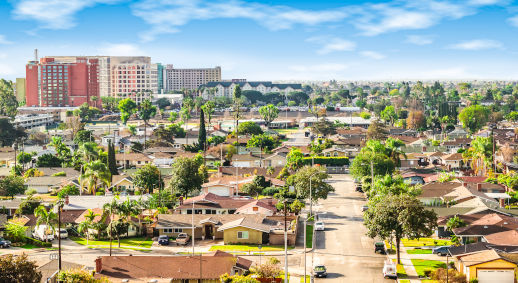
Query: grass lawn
[[308, 279], [286, 131], [404, 281], [424, 242], [419, 251], [246, 248], [401, 273], [125, 242], [429, 281], [29, 246], [421, 265], [309, 236]]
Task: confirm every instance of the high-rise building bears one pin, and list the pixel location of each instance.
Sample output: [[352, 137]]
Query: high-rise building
[[52, 82], [160, 77], [177, 79], [133, 77]]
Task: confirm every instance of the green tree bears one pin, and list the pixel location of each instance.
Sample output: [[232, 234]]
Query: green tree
[[132, 129], [185, 176], [249, 128], [83, 136], [112, 162], [62, 150], [8, 103], [163, 102], [454, 223], [148, 178], [269, 113], [215, 140], [24, 158], [394, 150], [78, 275], [89, 151], [146, 112], [17, 268], [301, 181], [376, 131], [294, 159], [202, 133], [173, 116], [46, 217], [86, 225], [263, 142], [127, 107], [252, 189], [11, 186], [96, 173], [373, 159], [15, 232], [481, 155], [324, 127], [208, 109], [399, 216], [474, 117], [48, 160], [9, 134], [389, 115], [111, 209]]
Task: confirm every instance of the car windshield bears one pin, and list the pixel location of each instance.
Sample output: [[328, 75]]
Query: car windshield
[[320, 223], [320, 268]]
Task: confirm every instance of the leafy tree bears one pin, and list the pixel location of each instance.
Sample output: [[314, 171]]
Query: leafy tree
[[236, 278], [48, 160], [163, 102], [202, 133], [249, 128], [389, 114], [215, 140], [24, 158], [269, 269], [318, 145], [185, 176], [208, 109], [399, 216], [372, 159], [263, 142], [148, 178], [83, 136], [77, 275], [294, 159], [365, 115], [481, 155], [169, 133], [87, 224], [301, 181], [416, 120], [173, 116], [33, 172], [95, 172], [62, 150], [8, 103], [324, 127], [474, 117], [8, 133], [394, 150], [269, 113], [376, 131], [15, 232], [127, 107], [46, 217], [512, 116], [299, 97], [68, 190], [112, 163], [253, 95], [17, 268], [132, 129], [252, 189], [146, 111], [11, 186]]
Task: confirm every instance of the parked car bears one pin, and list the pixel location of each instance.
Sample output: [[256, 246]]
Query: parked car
[[320, 271], [442, 251], [182, 239], [64, 233], [4, 243], [380, 247], [319, 226], [389, 269], [163, 240]]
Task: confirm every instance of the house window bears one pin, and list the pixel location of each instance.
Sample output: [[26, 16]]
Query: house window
[[411, 162], [178, 230], [242, 235], [168, 230], [335, 154]]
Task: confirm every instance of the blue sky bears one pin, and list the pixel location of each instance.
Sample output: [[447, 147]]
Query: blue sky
[[275, 40]]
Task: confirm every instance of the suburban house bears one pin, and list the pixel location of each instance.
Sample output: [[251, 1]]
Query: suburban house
[[232, 228], [454, 145], [175, 269], [452, 161], [90, 202], [45, 184], [101, 216], [246, 160], [27, 220], [7, 158], [489, 266], [10, 206], [210, 203], [130, 160], [335, 151], [122, 183], [264, 206], [413, 160], [277, 159]]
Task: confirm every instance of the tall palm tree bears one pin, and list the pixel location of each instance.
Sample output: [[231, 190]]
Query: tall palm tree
[[48, 218], [394, 150], [111, 208], [481, 155], [89, 151], [95, 172], [87, 224]]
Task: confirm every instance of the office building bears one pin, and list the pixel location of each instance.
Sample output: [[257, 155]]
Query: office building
[[52, 82], [178, 79], [133, 77]]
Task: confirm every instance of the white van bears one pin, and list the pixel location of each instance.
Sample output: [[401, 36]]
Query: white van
[[390, 269], [43, 233]]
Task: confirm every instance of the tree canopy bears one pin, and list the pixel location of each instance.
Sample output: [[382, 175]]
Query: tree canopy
[[474, 117], [127, 107], [148, 178]]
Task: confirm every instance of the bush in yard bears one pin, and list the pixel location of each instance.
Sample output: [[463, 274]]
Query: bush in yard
[[270, 191], [427, 273], [329, 161], [38, 243], [453, 276], [18, 269], [78, 275], [15, 232], [225, 278]]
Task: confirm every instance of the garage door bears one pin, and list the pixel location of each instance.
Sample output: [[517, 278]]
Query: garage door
[[495, 276]]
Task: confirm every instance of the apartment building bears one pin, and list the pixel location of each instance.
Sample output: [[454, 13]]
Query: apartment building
[[51, 82], [177, 79], [33, 120], [133, 77]]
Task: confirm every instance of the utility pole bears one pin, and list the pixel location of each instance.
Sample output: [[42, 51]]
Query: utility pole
[[285, 246], [192, 216], [305, 223], [59, 203]]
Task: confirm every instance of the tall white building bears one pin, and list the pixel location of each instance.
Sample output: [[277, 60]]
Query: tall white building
[[133, 77], [177, 79]]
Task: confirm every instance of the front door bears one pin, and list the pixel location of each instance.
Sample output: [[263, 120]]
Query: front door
[[208, 231]]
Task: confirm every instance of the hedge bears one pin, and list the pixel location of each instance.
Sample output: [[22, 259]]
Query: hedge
[[38, 243], [330, 161]]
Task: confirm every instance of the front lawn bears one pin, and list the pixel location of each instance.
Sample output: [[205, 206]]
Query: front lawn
[[140, 242], [246, 248], [401, 273], [418, 251], [309, 236], [29, 246], [421, 265], [425, 242]]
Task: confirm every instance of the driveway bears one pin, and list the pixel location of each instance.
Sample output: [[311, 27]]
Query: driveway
[[343, 247]]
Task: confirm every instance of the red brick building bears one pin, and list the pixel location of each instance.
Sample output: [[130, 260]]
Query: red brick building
[[54, 83]]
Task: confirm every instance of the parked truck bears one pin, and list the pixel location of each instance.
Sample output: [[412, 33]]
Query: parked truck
[[43, 233]]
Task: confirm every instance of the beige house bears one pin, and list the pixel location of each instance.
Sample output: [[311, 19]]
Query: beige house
[[132, 160]]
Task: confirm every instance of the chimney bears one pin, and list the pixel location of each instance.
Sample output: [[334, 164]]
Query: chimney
[[220, 169], [479, 187], [465, 184], [67, 200], [181, 200], [502, 203], [98, 265]]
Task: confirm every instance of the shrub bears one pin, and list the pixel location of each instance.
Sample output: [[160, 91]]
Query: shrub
[[60, 174], [453, 276], [427, 273], [330, 161], [270, 191], [78, 275], [38, 243], [68, 190], [31, 191], [15, 232], [474, 280]]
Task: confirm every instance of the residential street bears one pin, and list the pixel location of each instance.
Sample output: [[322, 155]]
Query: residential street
[[343, 247]]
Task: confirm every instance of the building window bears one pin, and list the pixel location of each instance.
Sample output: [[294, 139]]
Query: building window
[[178, 230], [242, 235], [168, 230]]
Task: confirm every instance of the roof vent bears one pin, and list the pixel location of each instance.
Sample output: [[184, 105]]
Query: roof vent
[[485, 227]]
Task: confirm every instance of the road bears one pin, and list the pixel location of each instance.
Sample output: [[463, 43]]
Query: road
[[343, 247]]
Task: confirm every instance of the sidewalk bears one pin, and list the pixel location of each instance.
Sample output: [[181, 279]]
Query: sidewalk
[[407, 264]]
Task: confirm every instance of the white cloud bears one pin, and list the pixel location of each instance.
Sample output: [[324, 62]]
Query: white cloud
[[330, 45], [477, 44], [419, 39], [120, 49], [53, 14], [513, 21], [372, 54]]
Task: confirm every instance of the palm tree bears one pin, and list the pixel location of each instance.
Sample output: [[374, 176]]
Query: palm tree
[[111, 208], [481, 155], [394, 150], [89, 151], [87, 224], [454, 222], [95, 172], [48, 218]]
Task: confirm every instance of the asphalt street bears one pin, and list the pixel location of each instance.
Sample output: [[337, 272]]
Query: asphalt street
[[343, 247]]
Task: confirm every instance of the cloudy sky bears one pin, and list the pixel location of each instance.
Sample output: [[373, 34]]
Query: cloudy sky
[[274, 40]]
